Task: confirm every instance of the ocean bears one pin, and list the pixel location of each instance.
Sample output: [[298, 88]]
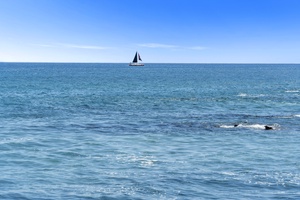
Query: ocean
[[162, 131]]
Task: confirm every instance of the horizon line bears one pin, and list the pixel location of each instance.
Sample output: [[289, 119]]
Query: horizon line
[[67, 62]]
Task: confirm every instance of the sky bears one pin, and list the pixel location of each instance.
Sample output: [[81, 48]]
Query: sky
[[162, 31]]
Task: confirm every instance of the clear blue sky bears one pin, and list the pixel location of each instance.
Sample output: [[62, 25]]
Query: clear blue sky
[[184, 31]]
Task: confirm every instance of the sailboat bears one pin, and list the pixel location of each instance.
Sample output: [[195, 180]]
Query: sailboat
[[136, 60]]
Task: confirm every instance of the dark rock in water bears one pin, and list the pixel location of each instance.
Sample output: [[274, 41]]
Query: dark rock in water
[[268, 127]]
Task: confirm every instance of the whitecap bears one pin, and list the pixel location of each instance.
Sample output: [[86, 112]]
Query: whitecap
[[297, 115], [292, 91], [250, 95], [145, 161], [254, 126], [242, 95], [251, 126], [226, 126], [228, 173]]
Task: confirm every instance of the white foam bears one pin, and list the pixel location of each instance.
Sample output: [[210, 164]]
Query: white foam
[[297, 115], [292, 91], [145, 161], [229, 173], [250, 95], [226, 126], [251, 126], [242, 95], [254, 126]]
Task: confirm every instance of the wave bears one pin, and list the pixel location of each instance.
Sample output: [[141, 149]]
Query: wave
[[227, 126], [242, 95], [252, 126], [145, 161], [292, 91], [254, 116], [250, 95], [15, 140]]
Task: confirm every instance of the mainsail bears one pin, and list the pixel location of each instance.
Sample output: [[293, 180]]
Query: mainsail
[[137, 57]]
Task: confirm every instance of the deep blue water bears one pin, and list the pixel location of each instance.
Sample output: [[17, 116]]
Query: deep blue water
[[162, 131]]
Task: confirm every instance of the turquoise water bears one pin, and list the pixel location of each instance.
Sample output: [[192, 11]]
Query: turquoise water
[[162, 131]]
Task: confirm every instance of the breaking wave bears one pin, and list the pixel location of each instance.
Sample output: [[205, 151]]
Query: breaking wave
[[292, 91], [251, 126]]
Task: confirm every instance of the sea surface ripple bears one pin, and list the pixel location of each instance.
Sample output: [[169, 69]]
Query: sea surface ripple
[[162, 131]]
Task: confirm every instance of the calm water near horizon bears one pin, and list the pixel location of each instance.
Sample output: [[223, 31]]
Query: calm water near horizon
[[162, 131]]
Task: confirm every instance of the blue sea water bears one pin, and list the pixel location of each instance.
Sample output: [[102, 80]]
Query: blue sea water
[[162, 131]]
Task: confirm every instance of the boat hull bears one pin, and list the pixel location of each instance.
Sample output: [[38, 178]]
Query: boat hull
[[136, 64]]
